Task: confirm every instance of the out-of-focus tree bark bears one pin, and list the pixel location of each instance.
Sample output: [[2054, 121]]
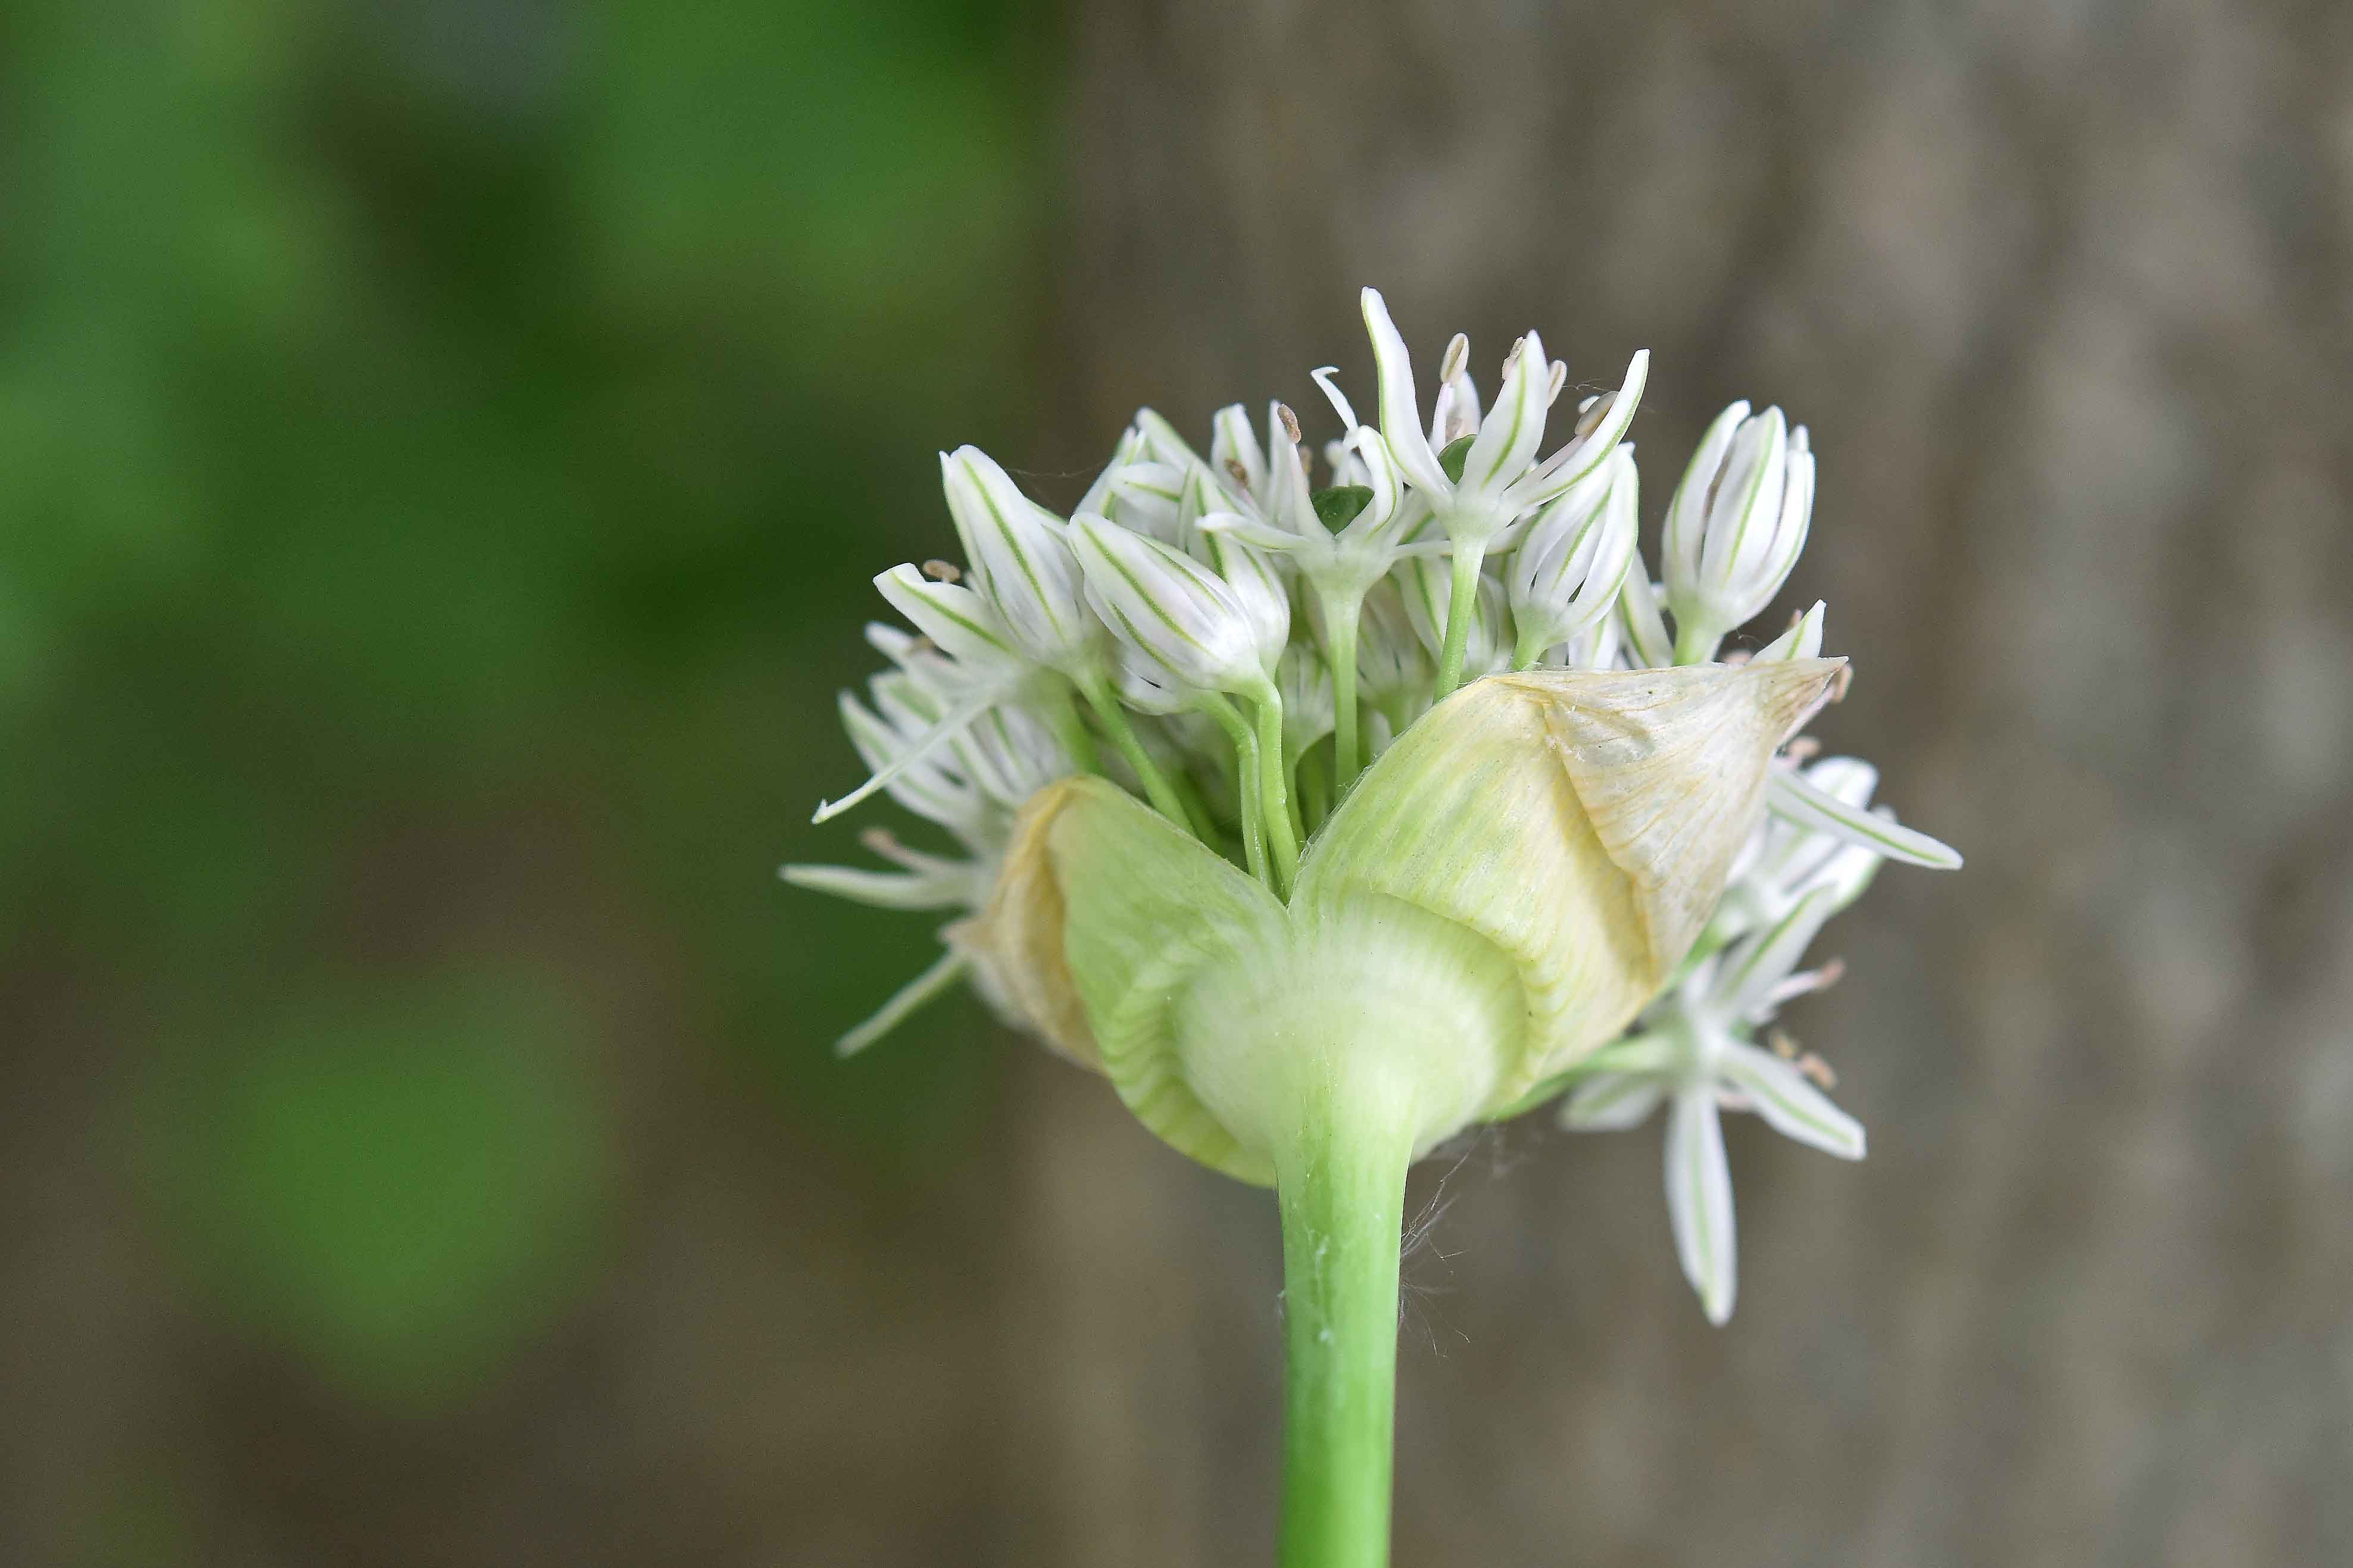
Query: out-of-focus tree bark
[[2063, 294]]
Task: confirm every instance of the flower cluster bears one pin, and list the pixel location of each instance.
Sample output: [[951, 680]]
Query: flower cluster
[[1233, 642]]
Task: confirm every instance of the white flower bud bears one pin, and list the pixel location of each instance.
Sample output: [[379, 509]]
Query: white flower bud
[[1736, 526], [1021, 562], [1258, 588], [1168, 607], [1565, 577]]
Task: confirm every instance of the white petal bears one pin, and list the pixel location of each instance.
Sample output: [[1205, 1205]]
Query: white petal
[[1168, 607], [1324, 378], [1645, 626], [888, 890], [1747, 504], [1802, 640], [1751, 971], [1020, 554], [952, 615], [1511, 432], [1796, 1108], [1144, 497], [1400, 409], [1130, 449], [1258, 588], [1232, 441], [1687, 510], [913, 752], [1612, 1103], [1162, 439], [1797, 799], [1388, 505], [1587, 452], [1699, 1201], [910, 997], [1252, 531]]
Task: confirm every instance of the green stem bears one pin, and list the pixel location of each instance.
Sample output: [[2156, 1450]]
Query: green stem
[[1252, 809], [1071, 729], [1122, 735], [1315, 790], [1197, 810], [1342, 611], [1274, 790], [1460, 609], [1342, 1192], [1693, 645]]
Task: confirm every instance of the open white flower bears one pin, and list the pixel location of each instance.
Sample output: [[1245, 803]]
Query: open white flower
[[1479, 484], [1694, 1050]]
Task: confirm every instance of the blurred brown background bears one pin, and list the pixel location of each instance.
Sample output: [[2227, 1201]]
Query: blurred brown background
[[442, 448]]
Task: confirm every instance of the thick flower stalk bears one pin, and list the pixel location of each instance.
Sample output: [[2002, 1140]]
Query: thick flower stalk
[[1238, 837]]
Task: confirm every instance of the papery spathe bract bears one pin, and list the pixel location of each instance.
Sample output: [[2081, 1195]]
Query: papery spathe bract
[[1520, 819]]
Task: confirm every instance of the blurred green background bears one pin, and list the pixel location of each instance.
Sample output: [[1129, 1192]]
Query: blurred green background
[[442, 451], [444, 445]]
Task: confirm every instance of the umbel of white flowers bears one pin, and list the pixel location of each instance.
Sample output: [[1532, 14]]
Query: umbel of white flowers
[[1407, 749]]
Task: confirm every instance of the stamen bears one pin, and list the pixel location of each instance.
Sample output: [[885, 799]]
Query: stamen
[[1290, 422], [943, 572], [1560, 379], [1805, 748], [1241, 475], [1783, 1046], [1595, 410], [1814, 1068], [1457, 355]]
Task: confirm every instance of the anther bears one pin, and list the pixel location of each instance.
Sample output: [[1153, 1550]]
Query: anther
[[1594, 411], [1457, 355], [943, 572]]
